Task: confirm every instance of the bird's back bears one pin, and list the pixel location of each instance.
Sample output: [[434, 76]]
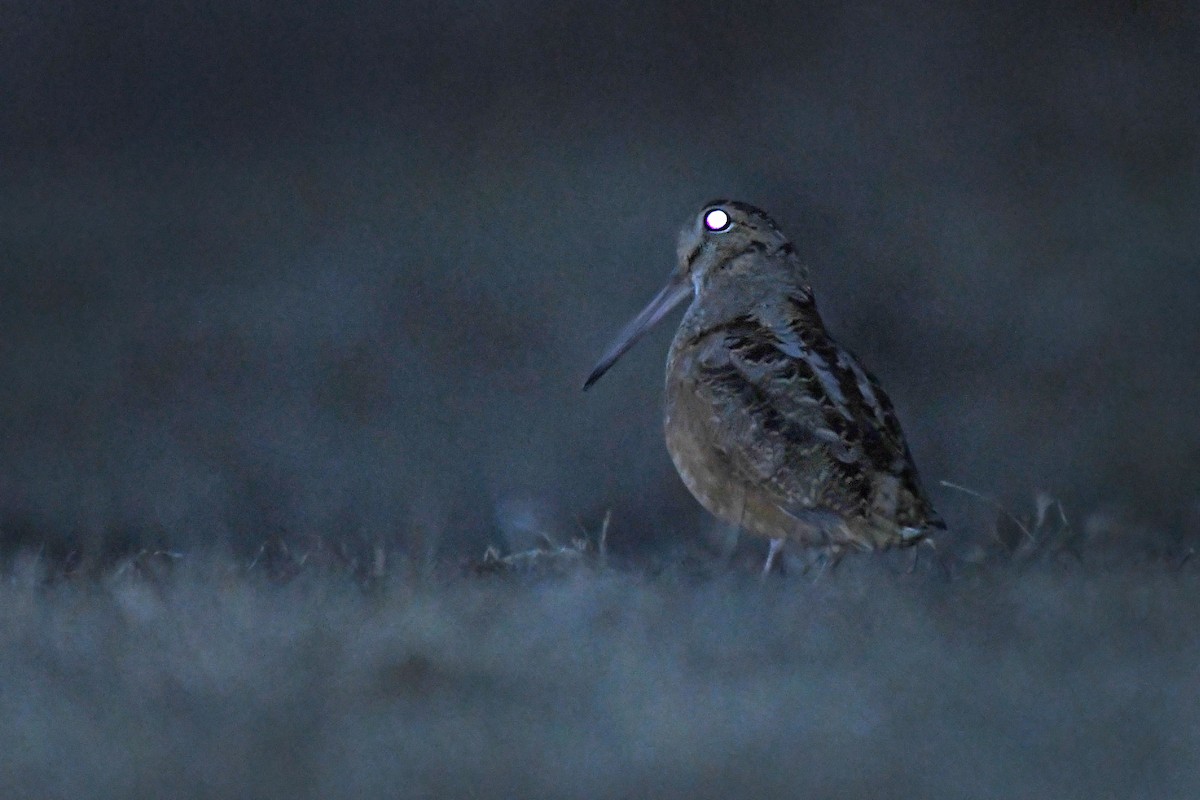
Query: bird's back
[[778, 429]]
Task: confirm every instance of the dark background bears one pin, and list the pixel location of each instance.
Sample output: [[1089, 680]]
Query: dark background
[[277, 278], [339, 269]]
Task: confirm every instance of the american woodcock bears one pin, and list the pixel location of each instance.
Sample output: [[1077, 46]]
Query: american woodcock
[[773, 426]]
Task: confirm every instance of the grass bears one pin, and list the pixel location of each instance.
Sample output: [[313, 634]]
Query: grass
[[305, 671]]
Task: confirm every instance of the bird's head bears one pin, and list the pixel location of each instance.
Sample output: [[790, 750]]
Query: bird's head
[[728, 244], [731, 240]]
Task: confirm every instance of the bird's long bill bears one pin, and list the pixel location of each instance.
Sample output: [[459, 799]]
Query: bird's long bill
[[671, 295]]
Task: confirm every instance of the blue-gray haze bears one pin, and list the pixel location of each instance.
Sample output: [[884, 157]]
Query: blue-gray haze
[[331, 273]]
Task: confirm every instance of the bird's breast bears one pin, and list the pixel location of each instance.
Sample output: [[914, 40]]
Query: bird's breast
[[689, 425]]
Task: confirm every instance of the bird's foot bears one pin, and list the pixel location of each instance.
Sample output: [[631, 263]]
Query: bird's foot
[[776, 547]]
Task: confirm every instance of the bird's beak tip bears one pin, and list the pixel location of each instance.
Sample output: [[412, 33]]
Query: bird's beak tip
[[595, 375]]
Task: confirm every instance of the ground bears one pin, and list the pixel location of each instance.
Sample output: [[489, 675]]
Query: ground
[[301, 675]]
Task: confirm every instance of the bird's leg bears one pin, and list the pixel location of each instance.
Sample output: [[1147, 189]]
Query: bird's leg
[[912, 566], [776, 546]]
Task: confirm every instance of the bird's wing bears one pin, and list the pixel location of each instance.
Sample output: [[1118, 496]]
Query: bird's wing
[[796, 414], [775, 422]]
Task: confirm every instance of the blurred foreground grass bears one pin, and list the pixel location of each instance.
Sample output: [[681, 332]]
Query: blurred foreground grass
[[304, 672]]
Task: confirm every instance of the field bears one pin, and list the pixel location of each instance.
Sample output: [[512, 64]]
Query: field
[[306, 675]]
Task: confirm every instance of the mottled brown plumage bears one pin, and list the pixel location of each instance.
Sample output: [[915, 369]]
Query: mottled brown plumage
[[772, 425]]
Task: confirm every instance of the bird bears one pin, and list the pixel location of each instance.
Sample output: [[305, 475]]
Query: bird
[[773, 426]]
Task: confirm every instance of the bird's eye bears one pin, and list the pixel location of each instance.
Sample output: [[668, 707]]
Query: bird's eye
[[717, 220]]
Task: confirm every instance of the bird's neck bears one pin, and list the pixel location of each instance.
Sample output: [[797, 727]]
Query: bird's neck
[[765, 302]]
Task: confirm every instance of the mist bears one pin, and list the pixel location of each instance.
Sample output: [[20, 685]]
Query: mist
[[329, 277]]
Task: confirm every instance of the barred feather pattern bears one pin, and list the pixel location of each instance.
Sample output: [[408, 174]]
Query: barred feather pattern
[[794, 417]]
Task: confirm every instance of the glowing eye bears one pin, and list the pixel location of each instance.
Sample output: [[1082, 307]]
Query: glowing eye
[[716, 220]]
